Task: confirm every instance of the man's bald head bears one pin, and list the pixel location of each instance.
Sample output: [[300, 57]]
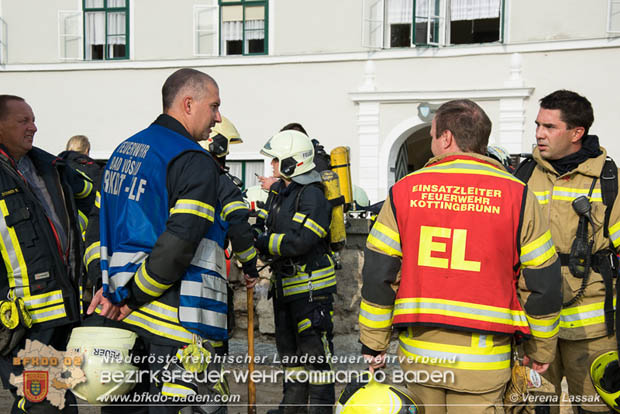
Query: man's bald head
[[193, 99], [187, 82]]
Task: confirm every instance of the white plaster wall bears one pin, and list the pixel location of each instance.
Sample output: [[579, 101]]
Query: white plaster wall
[[110, 105], [32, 29], [535, 20], [318, 26], [161, 31], [428, 74], [591, 73]]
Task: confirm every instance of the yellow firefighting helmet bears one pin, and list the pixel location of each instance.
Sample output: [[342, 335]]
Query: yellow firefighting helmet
[[293, 149], [605, 375], [104, 352], [377, 398], [223, 134]]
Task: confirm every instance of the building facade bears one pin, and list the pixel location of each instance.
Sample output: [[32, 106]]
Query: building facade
[[361, 73]]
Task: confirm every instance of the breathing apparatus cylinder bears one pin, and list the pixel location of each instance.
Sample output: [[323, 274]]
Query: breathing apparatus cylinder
[[331, 188], [341, 165]]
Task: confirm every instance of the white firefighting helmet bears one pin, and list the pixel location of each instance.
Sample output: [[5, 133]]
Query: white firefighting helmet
[[377, 398], [223, 134], [605, 375], [501, 155], [102, 349], [293, 149]]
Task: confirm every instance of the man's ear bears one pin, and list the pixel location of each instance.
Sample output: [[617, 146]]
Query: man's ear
[[187, 104], [447, 139], [578, 133]]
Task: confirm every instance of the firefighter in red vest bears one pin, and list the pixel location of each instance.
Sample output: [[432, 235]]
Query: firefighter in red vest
[[461, 262]]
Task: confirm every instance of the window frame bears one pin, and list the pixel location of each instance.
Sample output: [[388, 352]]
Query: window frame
[[244, 162], [610, 11], [440, 5], [244, 4], [3, 45], [441, 29], [107, 10]]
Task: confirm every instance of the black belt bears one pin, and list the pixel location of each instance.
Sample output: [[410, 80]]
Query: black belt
[[604, 262]]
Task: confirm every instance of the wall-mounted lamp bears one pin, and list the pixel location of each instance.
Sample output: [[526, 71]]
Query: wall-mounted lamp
[[426, 111]]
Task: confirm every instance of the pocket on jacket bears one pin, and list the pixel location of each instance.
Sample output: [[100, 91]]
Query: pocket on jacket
[[594, 284]]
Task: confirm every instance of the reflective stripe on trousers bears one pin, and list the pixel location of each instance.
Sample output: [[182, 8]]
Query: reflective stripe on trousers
[[483, 358]]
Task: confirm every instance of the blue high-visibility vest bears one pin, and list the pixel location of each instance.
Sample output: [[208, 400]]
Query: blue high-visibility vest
[[134, 211]]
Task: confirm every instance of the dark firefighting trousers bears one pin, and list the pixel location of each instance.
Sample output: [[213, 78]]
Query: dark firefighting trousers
[[304, 332]]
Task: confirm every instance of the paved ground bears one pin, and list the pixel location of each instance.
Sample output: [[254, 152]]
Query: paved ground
[[267, 394]]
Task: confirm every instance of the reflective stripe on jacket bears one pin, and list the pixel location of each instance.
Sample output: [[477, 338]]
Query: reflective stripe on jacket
[[134, 211], [447, 214]]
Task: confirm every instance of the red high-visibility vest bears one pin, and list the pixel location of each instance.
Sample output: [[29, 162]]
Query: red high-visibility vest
[[459, 224]]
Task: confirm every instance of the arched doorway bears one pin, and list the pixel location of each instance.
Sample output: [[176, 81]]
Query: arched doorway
[[413, 153]]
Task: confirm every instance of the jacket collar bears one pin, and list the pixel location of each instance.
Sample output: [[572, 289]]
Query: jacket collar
[[479, 157], [171, 123], [591, 167]]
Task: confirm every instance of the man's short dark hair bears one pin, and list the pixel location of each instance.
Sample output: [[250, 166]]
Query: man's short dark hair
[[180, 79], [4, 99], [469, 124], [575, 110], [295, 127]]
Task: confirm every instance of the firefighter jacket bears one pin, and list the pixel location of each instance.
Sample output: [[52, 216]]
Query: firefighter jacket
[[160, 251], [83, 164], [37, 265], [235, 215], [297, 234], [443, 263], [584, 319]]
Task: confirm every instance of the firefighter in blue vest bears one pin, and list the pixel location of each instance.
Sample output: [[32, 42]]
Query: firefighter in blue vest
[[460, 261], [41, 245], [163, 271], [296, 243]]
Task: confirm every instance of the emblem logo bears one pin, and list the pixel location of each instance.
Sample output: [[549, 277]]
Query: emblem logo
[[35, 385]]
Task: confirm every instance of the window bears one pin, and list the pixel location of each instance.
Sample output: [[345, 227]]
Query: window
[[613, 19], [2, 42], [205, 29], [70, 41], [106, 27], [242, 27], [246, 170], [475, 21], [372, 36], [436, 22]]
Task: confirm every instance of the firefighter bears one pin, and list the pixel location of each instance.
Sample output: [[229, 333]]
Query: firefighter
[[41, 244], [569, 170], [461, 261], [160, 264], [234, 210], [77, 155], [296, 243]]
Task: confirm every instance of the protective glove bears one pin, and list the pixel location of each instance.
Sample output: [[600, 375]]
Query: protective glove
[[262, 243], [257, 231], [249, 268]]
